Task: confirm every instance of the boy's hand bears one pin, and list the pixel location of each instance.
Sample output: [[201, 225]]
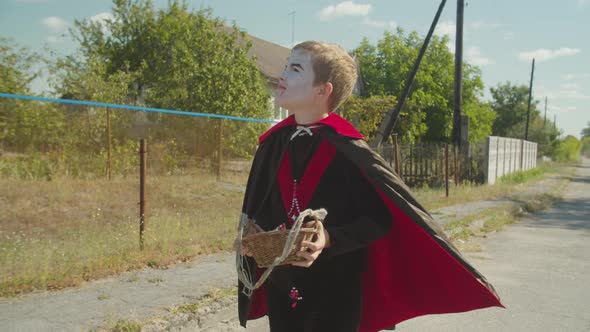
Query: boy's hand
[[315, 248]]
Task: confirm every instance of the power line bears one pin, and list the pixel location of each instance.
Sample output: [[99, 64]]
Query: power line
[[132, 108]]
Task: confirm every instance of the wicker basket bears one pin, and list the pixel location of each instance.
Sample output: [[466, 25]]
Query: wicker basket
[[267, 246]]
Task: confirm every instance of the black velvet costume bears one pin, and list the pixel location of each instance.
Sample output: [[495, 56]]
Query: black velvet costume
[[331, 287]]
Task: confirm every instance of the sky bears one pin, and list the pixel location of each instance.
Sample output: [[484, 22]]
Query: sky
[[500, 36]]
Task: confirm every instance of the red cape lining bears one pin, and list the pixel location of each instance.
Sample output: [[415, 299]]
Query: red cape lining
[[409, 273]]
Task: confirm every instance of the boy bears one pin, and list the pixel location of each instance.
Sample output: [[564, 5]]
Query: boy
[[379, 257]]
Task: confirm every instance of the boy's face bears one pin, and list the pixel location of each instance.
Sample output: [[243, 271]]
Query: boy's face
[[296, 91]]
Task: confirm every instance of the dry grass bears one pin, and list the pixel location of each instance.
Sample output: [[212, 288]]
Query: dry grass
[[59, 233]]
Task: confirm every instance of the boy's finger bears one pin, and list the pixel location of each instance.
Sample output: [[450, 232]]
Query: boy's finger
[[306, 255], [310, 245], [302, 263]]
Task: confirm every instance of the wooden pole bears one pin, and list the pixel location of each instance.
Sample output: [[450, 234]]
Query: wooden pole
[[109, 153], [219, 150], [142, 171], [528, 111], [396, 152], [391, 116], [458, 85], [447, 169], [456, 163]]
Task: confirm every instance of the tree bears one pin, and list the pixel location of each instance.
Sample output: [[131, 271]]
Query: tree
[[510, 105], [568, 149], [24, 124], [181, 60], [367, 113], [386, 66], [586, 131]]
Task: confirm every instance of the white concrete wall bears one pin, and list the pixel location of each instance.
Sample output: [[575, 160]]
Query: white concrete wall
[[508, 155]]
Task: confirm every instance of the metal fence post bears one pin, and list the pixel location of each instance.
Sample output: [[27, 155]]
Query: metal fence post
[[109, 154], [142, 171]]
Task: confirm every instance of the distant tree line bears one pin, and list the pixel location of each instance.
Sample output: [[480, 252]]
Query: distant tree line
[[175, 58]]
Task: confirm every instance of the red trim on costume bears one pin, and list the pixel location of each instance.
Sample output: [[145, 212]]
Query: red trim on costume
[[258, 302], [409, 274], [338, 123], [433, 282], [310, 179]]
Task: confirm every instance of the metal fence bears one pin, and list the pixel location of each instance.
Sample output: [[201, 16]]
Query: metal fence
[[432, 164]]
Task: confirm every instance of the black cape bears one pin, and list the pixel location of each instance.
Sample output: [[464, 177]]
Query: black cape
[[414, 270]]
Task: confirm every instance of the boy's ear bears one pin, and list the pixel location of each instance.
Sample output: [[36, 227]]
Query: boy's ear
[[327, 89]]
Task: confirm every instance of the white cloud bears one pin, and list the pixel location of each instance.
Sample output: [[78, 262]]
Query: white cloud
[[572, 94], [479, 24], [446, 28], [546, 55], [570, 86], [379, 24], [509, 35], [561, 109], [101, 20], [56, 39], [474, 56], [101, 17], [570, 76], [54, 23], [346, 8]]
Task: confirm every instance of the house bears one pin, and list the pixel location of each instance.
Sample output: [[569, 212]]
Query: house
[[270, 59]]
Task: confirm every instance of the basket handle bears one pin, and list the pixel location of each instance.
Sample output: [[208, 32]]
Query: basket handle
[[244, 277]]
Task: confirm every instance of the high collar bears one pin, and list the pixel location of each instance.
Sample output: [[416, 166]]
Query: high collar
[[333, 120]]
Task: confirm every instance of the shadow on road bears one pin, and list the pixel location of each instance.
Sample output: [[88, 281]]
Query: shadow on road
[[581, 179], [577, 216]]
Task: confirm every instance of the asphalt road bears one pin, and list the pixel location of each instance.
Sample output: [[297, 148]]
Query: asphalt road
[[540, 267]]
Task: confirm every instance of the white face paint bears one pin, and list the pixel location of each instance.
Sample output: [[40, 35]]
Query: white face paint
[[295, 91]]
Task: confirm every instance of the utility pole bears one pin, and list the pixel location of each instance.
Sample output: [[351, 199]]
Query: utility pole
[[292, 29], [388, 122], [458, 100], [528, 111]]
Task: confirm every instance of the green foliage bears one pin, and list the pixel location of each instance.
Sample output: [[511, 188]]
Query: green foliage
[[367, 113], [586, 146], [171, 58], [386, 66], [586, 141], [23, 124], [568, 149], [510, 104], [520, 177]]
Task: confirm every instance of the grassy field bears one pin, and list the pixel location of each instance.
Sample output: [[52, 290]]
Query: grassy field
[[59, 233]]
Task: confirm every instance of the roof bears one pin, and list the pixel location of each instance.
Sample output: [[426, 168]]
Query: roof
[[270, 57]]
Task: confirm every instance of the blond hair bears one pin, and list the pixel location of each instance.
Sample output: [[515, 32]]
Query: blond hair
[[332, 64]]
